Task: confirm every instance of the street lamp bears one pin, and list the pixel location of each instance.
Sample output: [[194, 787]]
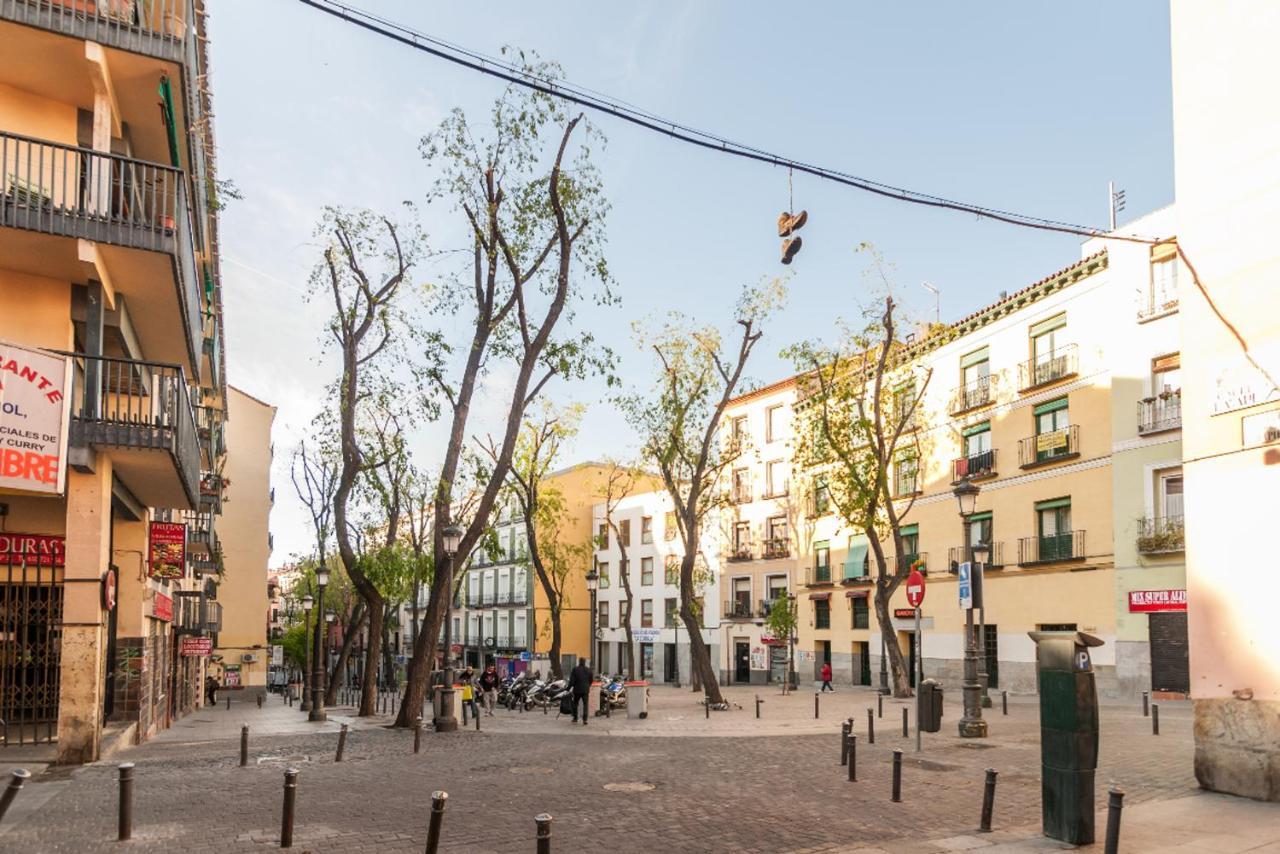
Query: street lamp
[[593, 584], [307, 602], [981, 552], [971, 723], [445, 720], [317, 674]]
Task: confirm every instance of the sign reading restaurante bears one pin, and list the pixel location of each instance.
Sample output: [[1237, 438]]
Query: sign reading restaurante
[[34, 410]]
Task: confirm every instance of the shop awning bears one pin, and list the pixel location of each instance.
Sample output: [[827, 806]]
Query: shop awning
[[857, 594], [820, 597]]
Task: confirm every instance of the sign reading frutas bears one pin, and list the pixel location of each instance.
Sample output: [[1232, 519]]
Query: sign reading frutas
[[32, 550], [34, 409], [192, 646], [1141, 601], [168, 550]]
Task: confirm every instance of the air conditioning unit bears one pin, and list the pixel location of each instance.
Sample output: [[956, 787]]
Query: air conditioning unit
[[249, 658]]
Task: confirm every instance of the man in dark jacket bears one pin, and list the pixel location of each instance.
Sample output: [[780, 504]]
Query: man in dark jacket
[[580, 684]]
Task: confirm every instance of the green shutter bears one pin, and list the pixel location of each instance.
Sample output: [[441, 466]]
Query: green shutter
[[1052, 323], [909, 530], [1053, 503], [1051, 406], [858, 545], [975, 357], [984, 427], [980, 517], [170, 119]]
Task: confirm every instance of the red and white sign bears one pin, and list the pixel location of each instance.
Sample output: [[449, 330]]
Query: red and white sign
[[162, 607], [32, 549], [904, 613], [192, 646], [1146, 601], [915, 588], [168, 550], [110, 586], [35, 408]]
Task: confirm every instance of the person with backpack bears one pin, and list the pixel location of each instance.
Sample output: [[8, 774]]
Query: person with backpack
[[580, 684]]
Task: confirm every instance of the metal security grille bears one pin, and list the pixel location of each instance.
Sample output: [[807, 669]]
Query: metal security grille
[[30, 644], [1169, 667]]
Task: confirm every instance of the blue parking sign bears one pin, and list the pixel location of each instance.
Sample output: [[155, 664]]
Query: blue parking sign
[[965, 585]]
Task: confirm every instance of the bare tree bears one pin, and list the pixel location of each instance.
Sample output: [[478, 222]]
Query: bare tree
[[620, 480]]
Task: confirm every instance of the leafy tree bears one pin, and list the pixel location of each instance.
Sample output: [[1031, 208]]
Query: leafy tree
[[783, 618], [620, 480]]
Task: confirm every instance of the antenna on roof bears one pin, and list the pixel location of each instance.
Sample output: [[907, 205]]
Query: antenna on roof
[[1115, 200], [937, 301]]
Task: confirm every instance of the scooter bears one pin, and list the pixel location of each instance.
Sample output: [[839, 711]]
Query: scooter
[[613, 694]]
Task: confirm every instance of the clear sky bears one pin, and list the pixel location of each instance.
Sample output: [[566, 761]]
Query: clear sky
[[1028, 107]]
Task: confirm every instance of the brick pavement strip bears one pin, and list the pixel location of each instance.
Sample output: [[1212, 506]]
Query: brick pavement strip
[[779, 792]]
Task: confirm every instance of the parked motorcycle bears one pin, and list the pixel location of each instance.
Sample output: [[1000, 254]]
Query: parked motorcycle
[[613, 693]]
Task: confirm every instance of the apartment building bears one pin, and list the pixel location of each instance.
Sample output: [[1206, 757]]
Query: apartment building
[[111, 355], [761, 530], [646, 530]]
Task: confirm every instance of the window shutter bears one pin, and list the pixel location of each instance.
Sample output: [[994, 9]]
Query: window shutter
[[1053, 503], [975, 357], [984, 427], [1056, 322], [1163, 252], [1051, 406]]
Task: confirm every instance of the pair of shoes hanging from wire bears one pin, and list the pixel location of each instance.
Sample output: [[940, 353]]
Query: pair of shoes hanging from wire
[[788, 224]]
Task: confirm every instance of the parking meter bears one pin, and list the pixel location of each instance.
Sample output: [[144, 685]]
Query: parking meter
[[1068, 734]]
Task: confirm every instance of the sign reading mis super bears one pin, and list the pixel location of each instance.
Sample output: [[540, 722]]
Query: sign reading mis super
[[35, 407]]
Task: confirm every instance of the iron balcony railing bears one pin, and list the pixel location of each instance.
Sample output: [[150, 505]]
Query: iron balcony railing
[[740, 552], [135, 404], [738, 608], [817, 575], [906, 483], [740, 494], [1156, 304], [956, 556], [974, 467], [156, 28], [1159, 413], [78, 192], [1048, 368], [1161, 535], [1049, 447], [1051, 548], [777, 548], [971, 395], [200, 534], [905, 562]]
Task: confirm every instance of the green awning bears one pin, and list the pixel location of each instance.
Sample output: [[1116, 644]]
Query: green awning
[[1053, 503], [1051, 406], [984, 427], [1056, 322], [208, 287], [858, 545], [170, 119], [908, 530], [978, 517], [976, 357]]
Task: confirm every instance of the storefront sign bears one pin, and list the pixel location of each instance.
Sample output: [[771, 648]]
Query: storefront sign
[[231, 676], [32, 549], [168, 550], [904, 613], [35, 407], [162, 607], [196, 646], [1146, 601], [646, 635]]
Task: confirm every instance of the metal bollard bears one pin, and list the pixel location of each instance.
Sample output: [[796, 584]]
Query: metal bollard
[[20, 776], [125, 823], [706, 708], [845, 729], [228, 702], [1115, 803], [476, 715], [853, 757], [244, 745], [1155, 718], [439, 799], [342, 742], [1004, 702], [988, 801], [816, 695], [1146, 702], [897, 776], [286, 813], [417, 735], [906, 731], [259, 701], [758, 702], [544, 833], [879, 705], [871, 727]]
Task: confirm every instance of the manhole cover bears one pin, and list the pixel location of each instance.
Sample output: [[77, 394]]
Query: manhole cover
[[288, 760], [976, 745], [628, 787], [929, 765], [530, 769]]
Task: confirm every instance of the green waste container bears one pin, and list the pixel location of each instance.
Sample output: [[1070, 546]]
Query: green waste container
[[929, 706]]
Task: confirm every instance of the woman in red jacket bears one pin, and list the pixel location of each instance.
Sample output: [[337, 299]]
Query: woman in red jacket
[[826, 677]]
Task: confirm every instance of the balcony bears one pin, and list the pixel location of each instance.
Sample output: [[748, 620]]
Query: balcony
[[141, 414], [955, 556], [817, 576], [210, 426], [1052, 548], [1160, 413], [157, 28], [738, 608], [904, 562], [200, 533], [212, 486], [210, 563], [855, 572], [970, 396], [1044, 370], [776, 549], [976, 467], [740, 494], [137, 206], [766, 605], [1160, 536], [1153, 305], [740, 553], [1047, 448]]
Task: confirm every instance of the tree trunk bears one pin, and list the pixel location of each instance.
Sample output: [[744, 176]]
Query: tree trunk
[[625, 577], [388, 662], [897, 666], [372, 652], [344, 653], [557, 672]]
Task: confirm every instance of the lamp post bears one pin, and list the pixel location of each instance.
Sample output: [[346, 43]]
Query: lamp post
[[307, 602], [971, 723], [445, 720], [593, 584], [318, 665], [791, 656], [981, 553]]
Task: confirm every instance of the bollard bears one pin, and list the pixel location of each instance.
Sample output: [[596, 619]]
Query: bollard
[[845, 729], [706, 708], [286, 813], [1146, 701], [897, 776], [988, 801], [125, 824], [544, 833], [244, 745], [1155, 718], [879, 705], [438, 801], [906, 732], [342, 742], [417, 735], [871, 727], [20, 776], [1115, 803], [228, 702], [815, 704], [259, 701], [1004, 702], [758, 701], [477, 717], [853, 757]]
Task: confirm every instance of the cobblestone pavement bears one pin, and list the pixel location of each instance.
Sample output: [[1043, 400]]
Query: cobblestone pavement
[[699, 791]]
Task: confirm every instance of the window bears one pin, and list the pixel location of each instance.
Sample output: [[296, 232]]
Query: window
[[602, 536], [669, 527], [777, 587], [775, 478], [821, 496], [603, 614], [671, 611], [822, 560], [646, 529], [861, 615], [904, 405], [624, 533], [906, 475], [1163, 295], [1166, 375], [857, 559], [822, 614], [646, 571], [1052, 433], [777, 543], [975, 378], [980, 531], [1053, 528], [910, 535], [646, 613], [671, 569], [741, 597], [603, 569], [977, 440], [742, 540], [775, 423], [1169, 492], [741, 485], [1048, 350], [738, 432]]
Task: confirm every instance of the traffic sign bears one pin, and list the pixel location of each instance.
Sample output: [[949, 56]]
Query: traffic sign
[[965, 585], [915, 588]]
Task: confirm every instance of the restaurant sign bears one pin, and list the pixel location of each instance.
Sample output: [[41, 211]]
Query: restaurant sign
[[168, 550], [193, 646], [162, 607], [35, 408], [32, 550], [1146, 601]]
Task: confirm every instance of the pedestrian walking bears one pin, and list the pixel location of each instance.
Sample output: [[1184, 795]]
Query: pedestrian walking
[[469, 691], [211, 690], [826, 677], [489, 682], [580, 683]]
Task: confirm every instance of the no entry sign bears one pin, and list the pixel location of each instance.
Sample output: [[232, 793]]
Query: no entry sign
[[915, 588]]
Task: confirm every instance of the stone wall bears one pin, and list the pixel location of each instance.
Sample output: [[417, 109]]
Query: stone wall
[[1236, 751]]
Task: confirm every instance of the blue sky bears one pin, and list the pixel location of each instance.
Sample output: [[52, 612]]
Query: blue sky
[[1029, 107]]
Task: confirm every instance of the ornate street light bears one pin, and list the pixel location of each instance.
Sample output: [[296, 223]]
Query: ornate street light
[[451, 539], [307, 602], [971, 723], [593, 584], [318, 663]]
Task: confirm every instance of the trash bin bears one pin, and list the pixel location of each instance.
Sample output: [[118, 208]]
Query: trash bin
[[929, 706], [637, 700], [1068, 734]]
